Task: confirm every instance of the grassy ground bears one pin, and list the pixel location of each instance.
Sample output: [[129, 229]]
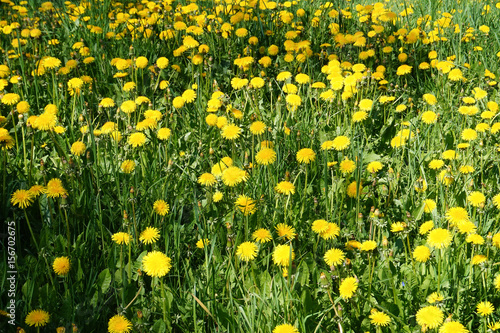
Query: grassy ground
[[225, 166]]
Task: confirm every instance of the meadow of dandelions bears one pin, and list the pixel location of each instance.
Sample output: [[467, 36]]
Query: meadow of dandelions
[[250, 166]]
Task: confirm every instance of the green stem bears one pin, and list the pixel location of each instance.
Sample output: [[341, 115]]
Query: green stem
[[164, 302], [31, 231], [67, 230]]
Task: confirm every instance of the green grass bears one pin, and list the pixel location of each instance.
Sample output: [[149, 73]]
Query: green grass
[[211, 289]]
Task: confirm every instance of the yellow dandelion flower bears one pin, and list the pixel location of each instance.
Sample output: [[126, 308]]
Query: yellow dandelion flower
[[257, 127], [282, 255], [476, 199], [485, 308], [334, 257], [150, 235], [285, 231], [365, 105], [217, 196], [374, 166], [161, 207], [121, 238], [78, 148], [61, 265], [439, 238], [347, 166], [231, 132], [421, 253], [368, 245], [137, 139], [306, 155], [456, 215], [319, 226], [426, 227], [55, 188], [156, 264], [119, 324], [22, 198], [265, 156], [247, 251], [262, 235], [285, 187], [285, 328], [201, 243], [207, 179], [453, 327], [478, 259], [430, 317], [245, 204], [348, 287], [379, 318], [37, 318]]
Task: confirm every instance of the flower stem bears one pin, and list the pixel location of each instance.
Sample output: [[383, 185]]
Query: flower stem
[[31, 230]]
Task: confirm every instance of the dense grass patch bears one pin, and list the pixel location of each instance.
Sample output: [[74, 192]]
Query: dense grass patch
[[234, 166]]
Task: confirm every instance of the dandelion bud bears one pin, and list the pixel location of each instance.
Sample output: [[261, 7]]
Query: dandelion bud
[[385, 241], [20, 116], [372, 209], [211, 151], [132, 190], [360, 216], [139, 314], [125, 215], [408, 215], [75, 328], [61, 329], [376, 213]]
